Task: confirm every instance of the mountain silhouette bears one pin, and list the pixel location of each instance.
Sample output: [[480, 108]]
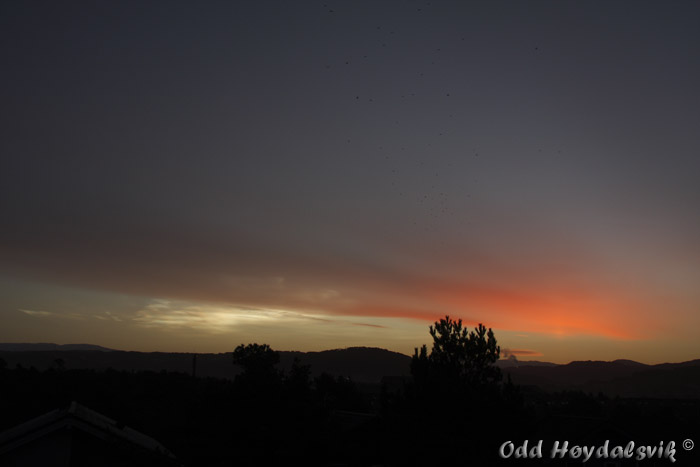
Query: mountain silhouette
[[370, 365], [624, 378], [361, 364]]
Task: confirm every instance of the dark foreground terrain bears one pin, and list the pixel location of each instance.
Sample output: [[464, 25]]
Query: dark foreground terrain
[[297, 416]]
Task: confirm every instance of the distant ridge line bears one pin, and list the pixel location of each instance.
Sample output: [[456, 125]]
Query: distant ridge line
[[27, 347]]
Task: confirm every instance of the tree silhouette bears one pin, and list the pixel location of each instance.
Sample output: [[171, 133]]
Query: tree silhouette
[[256, 358], [455, 399], [459, 360], [259, 366], [59, 364], [299, 379]]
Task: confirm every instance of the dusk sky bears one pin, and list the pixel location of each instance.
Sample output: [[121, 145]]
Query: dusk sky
[[190, 176]]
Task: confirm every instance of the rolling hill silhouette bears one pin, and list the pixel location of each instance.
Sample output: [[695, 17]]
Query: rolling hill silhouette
[[45, 346], [624, 378], [361, 364]]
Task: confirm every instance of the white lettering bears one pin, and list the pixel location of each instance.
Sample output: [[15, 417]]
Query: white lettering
[[641, 454], [617, 452], [521, 451], [670, 452], [560, 451], [536, 451], [575, 452], [501, 451], [602, 451], [587, 453]]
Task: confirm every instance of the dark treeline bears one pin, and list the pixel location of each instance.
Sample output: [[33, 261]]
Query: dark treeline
[[456, 409]]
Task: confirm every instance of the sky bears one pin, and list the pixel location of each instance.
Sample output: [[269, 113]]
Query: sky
[[189, 176]]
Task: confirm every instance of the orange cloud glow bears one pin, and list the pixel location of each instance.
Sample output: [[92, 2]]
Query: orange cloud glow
[[509, 297]]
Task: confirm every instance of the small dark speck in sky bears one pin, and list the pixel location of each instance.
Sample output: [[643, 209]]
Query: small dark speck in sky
[[211, 151]]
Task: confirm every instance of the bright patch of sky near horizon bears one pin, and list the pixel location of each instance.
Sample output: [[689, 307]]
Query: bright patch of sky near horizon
[[185, 177]]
